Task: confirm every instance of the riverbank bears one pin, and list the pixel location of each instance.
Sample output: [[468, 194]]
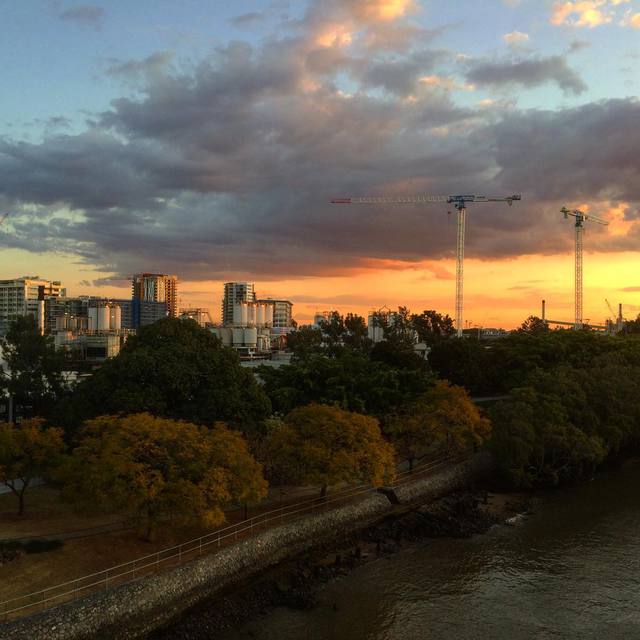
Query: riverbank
[[140, 607], [294, 583], [568, 570]]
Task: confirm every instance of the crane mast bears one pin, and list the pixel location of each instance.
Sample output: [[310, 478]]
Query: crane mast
[[580, 218], [460, 203]]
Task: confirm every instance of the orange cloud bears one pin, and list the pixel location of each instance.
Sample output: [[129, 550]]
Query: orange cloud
[[585, 13]]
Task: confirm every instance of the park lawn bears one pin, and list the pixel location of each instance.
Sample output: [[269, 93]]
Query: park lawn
[[79, 557], [45, 514]]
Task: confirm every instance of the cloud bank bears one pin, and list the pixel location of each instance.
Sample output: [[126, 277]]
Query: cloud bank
[[225, 168]]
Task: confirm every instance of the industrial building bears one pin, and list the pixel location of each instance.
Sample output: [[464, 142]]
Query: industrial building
[[87, 328], [282, 313], [199, 315], [20, 296], [234, 293]]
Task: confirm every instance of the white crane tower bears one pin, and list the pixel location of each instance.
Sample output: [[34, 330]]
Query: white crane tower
[[580, 217], [460, 203]]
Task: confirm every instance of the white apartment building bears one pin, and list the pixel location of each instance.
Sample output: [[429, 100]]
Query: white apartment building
[[19, 297]]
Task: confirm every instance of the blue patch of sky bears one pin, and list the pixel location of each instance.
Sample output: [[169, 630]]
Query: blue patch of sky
[[52, 67]]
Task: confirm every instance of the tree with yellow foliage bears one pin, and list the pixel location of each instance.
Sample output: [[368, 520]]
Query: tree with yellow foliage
[[154, 467], [323, 445], [442, 419], [27, 450]]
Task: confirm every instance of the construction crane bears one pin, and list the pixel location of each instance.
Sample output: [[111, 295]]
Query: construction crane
[[581, 217], [616, 319], [460, 203]]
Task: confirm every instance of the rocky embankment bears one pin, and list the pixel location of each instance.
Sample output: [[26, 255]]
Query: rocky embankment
[[295, 583]]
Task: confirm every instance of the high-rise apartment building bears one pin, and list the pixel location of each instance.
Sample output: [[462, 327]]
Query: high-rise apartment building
[[154, 295], [282, 312], [19, 297], [234, 293]]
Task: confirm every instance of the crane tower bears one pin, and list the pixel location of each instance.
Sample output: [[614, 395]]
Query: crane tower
[[460, 203], [580, 217]]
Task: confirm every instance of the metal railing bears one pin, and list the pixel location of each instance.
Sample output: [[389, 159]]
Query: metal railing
[[211, 542]]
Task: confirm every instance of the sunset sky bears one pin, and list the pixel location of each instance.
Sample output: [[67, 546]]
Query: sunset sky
[[206, 138]]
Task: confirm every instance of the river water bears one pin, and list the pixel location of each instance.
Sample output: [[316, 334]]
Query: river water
[[571, 570]]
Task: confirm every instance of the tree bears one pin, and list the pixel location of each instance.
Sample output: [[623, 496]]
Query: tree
[[432, 326], [349, 380], [534, 324], [155, 467], [27, 451], [34, 378], [304, 340], [443, 418], [322, 445], [463, 362], [175, 369]]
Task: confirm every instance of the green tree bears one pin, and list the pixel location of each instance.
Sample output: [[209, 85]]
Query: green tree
[[534, 324], [176, 369], [152, 468], [322, 445], [35, 369], [27, 450], [432, 326], [304, 341], [349, 380]]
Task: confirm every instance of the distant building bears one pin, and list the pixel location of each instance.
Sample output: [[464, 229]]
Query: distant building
[[282, 312], [319, 317], [235, 293], [201, 316], [155, 287], [24, 296]]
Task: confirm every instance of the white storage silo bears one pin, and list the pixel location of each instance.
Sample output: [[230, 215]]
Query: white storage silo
[[249, 314], [237, 314], [238, 336], [251, 337], [260, 315], [103, 318], [268, 320], [115, 317], [93, 318]]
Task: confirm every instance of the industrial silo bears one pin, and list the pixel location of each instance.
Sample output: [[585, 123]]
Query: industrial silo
[[238, 336], [103, 318], [115, 317], [260, 315], [93, 318], [251, 337]]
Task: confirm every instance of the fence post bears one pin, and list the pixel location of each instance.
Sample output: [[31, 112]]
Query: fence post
[[200, 552]]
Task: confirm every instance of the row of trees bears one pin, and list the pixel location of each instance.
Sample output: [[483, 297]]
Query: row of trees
[[562, 416], [151, 468]]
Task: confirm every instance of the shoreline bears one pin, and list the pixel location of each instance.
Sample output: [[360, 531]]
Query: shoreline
[[295, 582]]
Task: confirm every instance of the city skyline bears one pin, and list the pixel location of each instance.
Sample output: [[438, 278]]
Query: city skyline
[[208, 142]]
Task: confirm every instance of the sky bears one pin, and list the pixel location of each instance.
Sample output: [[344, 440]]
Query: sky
[[206, 139]]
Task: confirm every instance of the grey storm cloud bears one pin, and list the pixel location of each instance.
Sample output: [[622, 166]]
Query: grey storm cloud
[[226, 168], [87, 15], [527, 73]]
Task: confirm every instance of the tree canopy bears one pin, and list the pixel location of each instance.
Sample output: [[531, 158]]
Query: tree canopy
[[443, 419], [154, 467], [176, 369], [35, 369], [322, 445], [28, 450]]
